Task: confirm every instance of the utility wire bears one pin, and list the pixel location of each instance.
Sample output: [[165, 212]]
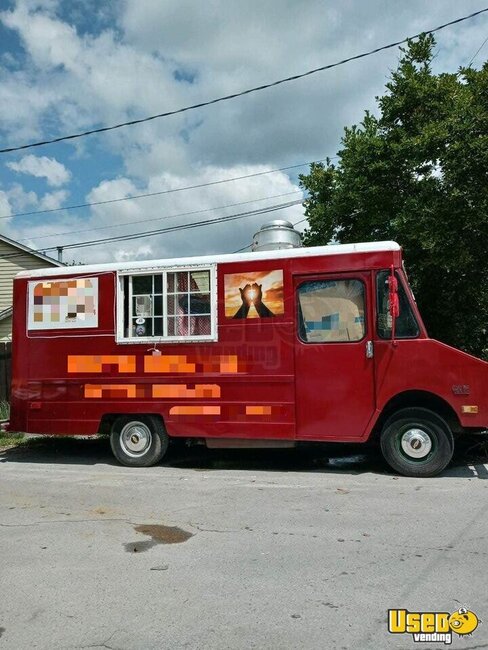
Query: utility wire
[[477, 51], [164, 217], [187, 226], [239, 250], [176, 189], [193, 225], [243, 92], [154, 232], [149, 233]]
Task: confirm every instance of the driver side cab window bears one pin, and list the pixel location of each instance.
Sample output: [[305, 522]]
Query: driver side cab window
[[406, 325]]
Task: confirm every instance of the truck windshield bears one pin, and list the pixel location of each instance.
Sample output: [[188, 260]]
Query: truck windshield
[[406, 325]]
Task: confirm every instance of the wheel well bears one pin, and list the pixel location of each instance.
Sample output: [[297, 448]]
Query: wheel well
[[422, 399], [108, 419]]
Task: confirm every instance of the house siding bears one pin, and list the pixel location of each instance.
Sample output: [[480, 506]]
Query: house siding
[[6, 328], [12, 261]]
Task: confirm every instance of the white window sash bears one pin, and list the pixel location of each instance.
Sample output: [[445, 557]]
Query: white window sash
[[122, 339]]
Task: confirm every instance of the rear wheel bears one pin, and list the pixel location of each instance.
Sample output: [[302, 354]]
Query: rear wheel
[[417, 442], [138, 441]]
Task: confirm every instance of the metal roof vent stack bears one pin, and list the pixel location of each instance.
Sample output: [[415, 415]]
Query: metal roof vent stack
[[275, 235]]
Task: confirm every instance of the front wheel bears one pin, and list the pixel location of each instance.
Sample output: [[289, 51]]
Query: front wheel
[[417, 442], [138, 441]]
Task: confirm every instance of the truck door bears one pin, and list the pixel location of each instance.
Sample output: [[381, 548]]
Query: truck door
[[334, 365]]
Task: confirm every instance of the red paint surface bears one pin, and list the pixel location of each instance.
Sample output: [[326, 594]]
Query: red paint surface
[[327, 391], [338, 398]]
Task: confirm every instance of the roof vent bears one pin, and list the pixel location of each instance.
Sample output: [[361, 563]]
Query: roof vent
[[275, 235]]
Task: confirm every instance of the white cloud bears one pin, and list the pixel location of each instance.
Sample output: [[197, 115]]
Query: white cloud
[[112, 189], [53, 171], [85, 79], [71, 79], [137, 253], [20, 199], [152, 213], [53, 200], [221, 237], [5, 208]]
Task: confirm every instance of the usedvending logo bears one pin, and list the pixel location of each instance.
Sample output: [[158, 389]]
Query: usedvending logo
[[428, 627]]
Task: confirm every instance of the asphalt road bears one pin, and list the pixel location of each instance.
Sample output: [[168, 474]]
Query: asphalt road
[[222, 550]]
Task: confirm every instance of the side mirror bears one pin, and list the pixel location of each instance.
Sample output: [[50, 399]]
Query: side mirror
[[393, 296], [393, 301]]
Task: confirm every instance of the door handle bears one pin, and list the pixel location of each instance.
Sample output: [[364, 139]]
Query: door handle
[[369, 350]]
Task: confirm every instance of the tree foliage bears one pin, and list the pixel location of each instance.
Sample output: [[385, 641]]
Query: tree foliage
[[417, 173]]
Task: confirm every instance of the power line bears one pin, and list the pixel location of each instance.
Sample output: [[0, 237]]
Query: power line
[[169, 216], [176, 189], [477, 51], [155, 232], [196, 224], [242, 92], [239, 250], [174, 228]]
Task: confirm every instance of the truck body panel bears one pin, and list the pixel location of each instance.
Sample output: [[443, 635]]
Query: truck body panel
[[252, 374]]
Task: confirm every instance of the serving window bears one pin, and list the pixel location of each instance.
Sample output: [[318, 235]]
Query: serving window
[[167, 305]]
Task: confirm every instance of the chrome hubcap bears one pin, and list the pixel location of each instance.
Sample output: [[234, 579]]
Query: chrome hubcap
[[135, 439], [416, 443]]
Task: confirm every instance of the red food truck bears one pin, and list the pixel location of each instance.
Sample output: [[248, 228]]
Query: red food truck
[[261, 349]]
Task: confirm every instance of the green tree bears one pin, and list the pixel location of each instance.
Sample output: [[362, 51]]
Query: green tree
[[417, 173]]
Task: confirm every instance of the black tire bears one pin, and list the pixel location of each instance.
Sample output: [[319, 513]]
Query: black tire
[[138, 441], [417, 442]]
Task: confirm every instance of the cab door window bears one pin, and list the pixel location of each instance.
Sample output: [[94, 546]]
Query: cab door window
[[331, 311]]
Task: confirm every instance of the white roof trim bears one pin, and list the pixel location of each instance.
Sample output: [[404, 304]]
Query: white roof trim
[[315, 251], [31, 251]]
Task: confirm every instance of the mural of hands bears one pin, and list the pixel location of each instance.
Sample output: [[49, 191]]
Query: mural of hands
[[252, 294], [243, 310], [247, 295], [257, 291]]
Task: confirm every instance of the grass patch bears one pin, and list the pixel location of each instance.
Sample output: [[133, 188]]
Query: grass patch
[[10, 439], [4, 410]]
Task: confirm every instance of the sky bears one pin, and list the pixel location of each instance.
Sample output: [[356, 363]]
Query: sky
[[73, 65]]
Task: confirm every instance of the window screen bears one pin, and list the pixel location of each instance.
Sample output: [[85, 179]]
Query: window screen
[[406, 325], [331, 311], [170, 304], [188, 303]]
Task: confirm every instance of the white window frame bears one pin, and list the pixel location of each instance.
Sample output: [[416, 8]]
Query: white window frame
[[164, 338]]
